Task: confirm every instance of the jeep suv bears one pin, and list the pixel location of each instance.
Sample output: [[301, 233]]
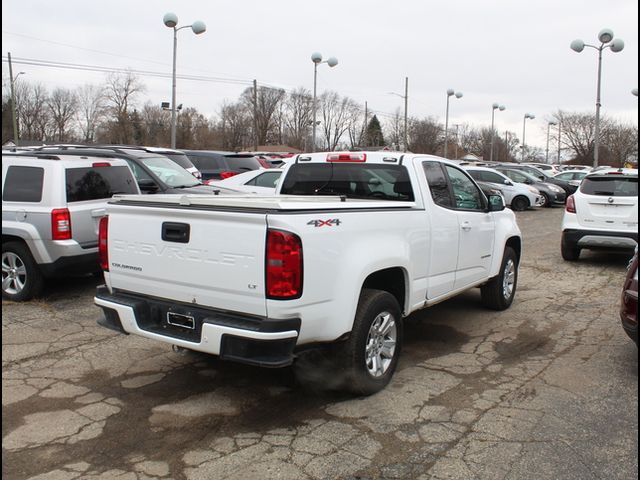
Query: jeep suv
[[602, 214], [51, 208]]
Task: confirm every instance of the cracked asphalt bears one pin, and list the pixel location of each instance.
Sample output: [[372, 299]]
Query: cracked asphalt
[[546, 389]]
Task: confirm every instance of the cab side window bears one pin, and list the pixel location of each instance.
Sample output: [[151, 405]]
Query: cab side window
[[466, 194], [438, 184]]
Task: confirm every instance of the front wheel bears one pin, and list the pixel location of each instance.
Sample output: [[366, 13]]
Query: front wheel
[[545, 200], [370, 356], [499, 292], [519, 204]]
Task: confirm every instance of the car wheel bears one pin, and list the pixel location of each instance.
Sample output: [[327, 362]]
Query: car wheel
[[519, 204], [499, 292], [21, 277], [546, 201], [570, 252], [370, 356]]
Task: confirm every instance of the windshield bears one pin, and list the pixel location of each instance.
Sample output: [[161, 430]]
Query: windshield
[[180, 158], [169, 172]]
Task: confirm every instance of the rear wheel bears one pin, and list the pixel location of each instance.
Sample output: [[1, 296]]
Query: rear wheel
[[570, 252], [519, 204], [21, 277], [370, 356], [499, 292]]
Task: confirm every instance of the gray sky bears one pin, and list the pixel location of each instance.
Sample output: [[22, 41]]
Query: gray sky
[[507, 51]]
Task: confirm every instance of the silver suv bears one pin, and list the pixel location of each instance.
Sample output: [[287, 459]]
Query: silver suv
[[51, 207]]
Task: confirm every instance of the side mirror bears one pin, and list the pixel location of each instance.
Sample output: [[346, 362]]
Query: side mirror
[[508, 182], [148, 186], [496, 203]]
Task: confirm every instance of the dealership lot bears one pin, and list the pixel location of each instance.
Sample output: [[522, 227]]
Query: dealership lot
[[545, 389]]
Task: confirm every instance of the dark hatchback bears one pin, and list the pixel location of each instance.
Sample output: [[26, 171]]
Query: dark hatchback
[[215, 165]]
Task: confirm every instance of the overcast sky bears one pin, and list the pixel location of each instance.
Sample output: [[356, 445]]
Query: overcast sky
[[507, 51]]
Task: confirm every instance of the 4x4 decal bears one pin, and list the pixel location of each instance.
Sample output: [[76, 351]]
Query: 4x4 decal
[[322, 223]]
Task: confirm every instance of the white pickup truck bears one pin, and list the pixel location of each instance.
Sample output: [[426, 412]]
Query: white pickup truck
[[350, 244]]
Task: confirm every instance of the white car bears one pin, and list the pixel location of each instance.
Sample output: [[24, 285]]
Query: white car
[[602, 214], [262, 181], [518, 196], [574, 177]]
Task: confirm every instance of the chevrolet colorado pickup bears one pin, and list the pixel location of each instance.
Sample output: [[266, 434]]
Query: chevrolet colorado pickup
[[350, 244]]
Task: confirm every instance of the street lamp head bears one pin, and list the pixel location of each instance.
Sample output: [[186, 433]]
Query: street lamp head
[[170, 19], [634, 92], [332, 62], [458, 94], [577, 46], [495, 105], [530, 116], [502, 108], [450, 92], [198, 27], [316, 57], [552, 122], [617, 45], [605, 35]]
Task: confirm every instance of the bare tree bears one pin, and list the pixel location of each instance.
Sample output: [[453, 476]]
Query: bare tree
[[91, 110], [620, 143], [578, 134], [395, 129], [297, 118], [120, 92], [264, 104], [31, 103], [425, 135], [235, 123], [63, 105], [337, 115]]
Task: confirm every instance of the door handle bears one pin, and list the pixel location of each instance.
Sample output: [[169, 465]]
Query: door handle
[[466, 226]]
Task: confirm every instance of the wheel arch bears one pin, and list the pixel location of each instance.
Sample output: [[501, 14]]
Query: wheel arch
[[392, 280]]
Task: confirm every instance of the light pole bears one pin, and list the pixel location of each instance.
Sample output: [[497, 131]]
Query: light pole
[[198, 27], [316, 58], [530, 116], [548, 127], [559, 136], [493, 113], [450, 92], [616, 45], [14, 117], [406, 103], [457, 125]]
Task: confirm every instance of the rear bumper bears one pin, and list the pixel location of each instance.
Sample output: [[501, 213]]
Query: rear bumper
[[73, 265], [247, 339], [595, 239]]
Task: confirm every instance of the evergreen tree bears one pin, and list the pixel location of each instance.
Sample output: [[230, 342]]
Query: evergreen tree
[[374, 133]]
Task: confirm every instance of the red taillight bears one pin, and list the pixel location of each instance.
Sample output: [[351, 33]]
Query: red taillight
[[224, 175], [60, 224], [347, 157], [101, 164], [103, 251], [571, 205], [264, 163], [283, 265]]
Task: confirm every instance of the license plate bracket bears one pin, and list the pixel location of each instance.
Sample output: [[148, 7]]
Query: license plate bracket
[[181, 320]]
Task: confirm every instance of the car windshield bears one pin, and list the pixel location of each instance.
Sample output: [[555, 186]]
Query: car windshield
[[180, 158], [610, 186], [170, 172]]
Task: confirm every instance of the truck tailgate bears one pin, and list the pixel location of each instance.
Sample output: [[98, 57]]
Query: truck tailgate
[[202, 257]]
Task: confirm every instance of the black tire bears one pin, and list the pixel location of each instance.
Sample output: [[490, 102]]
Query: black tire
[[21, 277], [570, 252], [499, 292], [546, 201], [519, 204], [375, 307]]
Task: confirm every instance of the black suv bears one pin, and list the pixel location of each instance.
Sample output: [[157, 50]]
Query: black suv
[[214, 165], [155, 173]]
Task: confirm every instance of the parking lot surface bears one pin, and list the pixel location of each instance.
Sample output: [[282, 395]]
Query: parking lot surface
[[545, 389]]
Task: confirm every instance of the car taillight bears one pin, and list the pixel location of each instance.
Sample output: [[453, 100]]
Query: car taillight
[[103, 251], [60, 224], [347, 157], [571, 205], [224, 175], [283, 265]]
